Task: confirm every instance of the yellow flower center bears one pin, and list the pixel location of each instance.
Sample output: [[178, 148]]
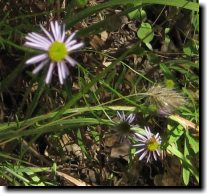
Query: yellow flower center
[[152, 144], [57, 51]]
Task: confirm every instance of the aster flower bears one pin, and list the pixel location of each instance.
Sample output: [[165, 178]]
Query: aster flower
[[55, 46], [149, 145], [123, 128], [123, 117]]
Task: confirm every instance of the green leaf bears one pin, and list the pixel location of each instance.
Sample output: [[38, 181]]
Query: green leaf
[[190, 48], [167, 40], [95, 135], [186, 172], [14, 173], [172, 149], [82, 145], [80, 3], [55, 125], [187, 51], [138, 14], [186, 176], [167, 30], [194, 143], [134, 14], [36, 180], [175, 132], [145, 33], [195, 21], [149, 46]]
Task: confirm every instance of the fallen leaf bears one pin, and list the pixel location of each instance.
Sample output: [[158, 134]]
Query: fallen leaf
[[96, 42], [72, 179], [129, 75], [120, 151], [104, 35]]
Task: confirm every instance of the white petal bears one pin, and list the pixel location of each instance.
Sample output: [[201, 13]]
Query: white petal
[[159, 141], [70, 38], [138, 144], [141, 136], [130, 118], [49, 73], [40, 66], [63, 34], [147, 132], [154, 155], [63, 70], [36, 46], [143, 141], [66, 69], [119, 115], [75, 47], [156, 136], [124, 117], [36, 59], [158, 152], [39, 37], [139, 150], [143, 155], [58, 31], [59, 73], [71, 61], [47, 33], [53, 30], [148, 157], [37, 40], [71, 43]]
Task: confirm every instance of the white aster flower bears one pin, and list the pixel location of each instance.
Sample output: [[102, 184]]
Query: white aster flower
[[123, 128], [56, 48], [149, 145], [123, 117]]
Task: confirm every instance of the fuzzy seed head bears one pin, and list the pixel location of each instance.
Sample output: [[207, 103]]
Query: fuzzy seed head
[[166, 100]]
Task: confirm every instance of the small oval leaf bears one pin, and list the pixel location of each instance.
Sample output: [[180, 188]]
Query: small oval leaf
[[145, 33]]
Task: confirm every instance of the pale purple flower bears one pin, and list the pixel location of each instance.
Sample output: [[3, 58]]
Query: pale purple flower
[[148, 146], [56, 47], [123, 117], [124, 126]]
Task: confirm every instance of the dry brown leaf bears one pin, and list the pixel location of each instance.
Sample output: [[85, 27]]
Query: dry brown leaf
[[129, 75], [96, 42], [120, 151], [73, 180], [111, 140], [105, 62], [104, 35]]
